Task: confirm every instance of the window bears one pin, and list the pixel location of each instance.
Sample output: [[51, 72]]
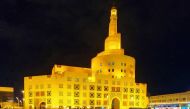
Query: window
[[98, 102], [131, 97], [137, 97], [30, 101], [99, 81], [76, 101], [137, 104], [48, 93], [91, 87], [60, 85], [137, 90], [30, 94], [108, 70], [125, 96], [99, 88], [113, 89], [49, 101], [112, 70], [76, 86], [84, 102], [118, 83], [42, 93], [131, 90], [99, 95], [91, 102], [124, 103], [113, 63], [105, 102], [105, 95], [106, 88], [91, 95], [76, 94], [131, 103], [37, 93], [117, 89], [124, 64], [125, 90], [124, 70], [121, 70]]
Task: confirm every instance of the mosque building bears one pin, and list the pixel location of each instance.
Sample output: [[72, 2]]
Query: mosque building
[[108, 84]]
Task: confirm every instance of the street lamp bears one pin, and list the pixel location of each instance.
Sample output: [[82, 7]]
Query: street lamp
[[17, 100]]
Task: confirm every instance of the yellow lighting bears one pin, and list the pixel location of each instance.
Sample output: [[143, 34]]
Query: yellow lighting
[[111, 79]]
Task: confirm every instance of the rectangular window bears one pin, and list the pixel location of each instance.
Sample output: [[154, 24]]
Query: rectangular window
[[48, 93], [49, 101], [106, 88], [131, 90], [125, 90], [76, 86], [42, 93], [99, 95], [99, 88], [37, 93], [98, 102], [30, 94], [30, 101], [91, 95], [113, 89], [76, 101], [76, 94], [91, 102], [125, 96], [91, 87]]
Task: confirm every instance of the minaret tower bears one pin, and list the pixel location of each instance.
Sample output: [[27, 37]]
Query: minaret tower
[[113, 41]]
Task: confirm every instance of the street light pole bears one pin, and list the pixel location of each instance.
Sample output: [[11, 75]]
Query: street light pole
[[17, 100]]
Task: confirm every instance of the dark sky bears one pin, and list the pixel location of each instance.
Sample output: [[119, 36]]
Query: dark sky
[[36, 34]]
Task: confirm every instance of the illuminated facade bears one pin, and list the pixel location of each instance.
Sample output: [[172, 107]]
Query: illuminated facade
[[6, 97], [176, 101], [109, 83]]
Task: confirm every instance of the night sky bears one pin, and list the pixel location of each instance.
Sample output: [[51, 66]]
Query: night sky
[[36, 34]]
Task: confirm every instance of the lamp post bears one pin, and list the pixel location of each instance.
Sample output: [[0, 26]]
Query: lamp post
[[17, 100], [22, 100]]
